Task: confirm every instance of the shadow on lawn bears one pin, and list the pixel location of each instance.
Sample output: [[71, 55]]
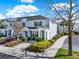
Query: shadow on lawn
[[60, 55]]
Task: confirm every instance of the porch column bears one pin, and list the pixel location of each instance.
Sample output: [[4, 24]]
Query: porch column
[[11, 32], [39, 33], [45, 35], [7, 33], [28, 33]]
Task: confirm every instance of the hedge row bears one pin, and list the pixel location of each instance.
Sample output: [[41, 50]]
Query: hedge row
[[40, 46], [38, 39], [58, 36]]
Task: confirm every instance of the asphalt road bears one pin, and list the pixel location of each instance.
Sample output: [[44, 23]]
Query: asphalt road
[[75, 42], [6, 56]]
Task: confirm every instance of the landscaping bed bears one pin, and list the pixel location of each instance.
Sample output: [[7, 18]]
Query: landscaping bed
[[7, 39], [58, 36], [62, 54], [39, 46], [2, 40], [25, 39], [12, 43]]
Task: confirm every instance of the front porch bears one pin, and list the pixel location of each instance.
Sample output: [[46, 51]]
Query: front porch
[[37, 32], [30, 32]]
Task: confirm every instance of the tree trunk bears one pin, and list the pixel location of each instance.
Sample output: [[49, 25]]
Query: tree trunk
[[70, 30], [17, 34], [17, 37], [70, 38]]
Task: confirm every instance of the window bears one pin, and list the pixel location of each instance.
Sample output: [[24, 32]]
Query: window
[[38, 23], [30, 33], [10, 24], [23, 24]]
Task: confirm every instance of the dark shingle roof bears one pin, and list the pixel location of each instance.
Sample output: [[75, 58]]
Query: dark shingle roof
[[38, 17]]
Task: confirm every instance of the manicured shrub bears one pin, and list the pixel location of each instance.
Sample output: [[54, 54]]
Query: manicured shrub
[[12, 43], [76, 33], [59, 35], [2, 35], [62, 33], [52, 41], [38, 39], [2, 40], [29, 38], [24, 39], [39, 46]]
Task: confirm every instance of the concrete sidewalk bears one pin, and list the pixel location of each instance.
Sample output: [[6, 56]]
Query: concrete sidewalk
[[55, 47]]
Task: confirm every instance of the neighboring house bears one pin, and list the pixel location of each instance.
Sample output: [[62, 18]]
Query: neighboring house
[[60, 28], [76, 26], [39, 26]]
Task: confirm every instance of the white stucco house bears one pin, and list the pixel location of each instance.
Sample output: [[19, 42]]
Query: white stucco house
[[38, 25]]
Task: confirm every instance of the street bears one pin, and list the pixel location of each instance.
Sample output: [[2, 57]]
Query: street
[[75, 43]]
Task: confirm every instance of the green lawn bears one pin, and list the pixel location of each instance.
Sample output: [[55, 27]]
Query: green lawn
[[62, 54]]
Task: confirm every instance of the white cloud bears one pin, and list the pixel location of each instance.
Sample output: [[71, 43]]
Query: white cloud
[[19, 10], [31, 14], [29, 1], [60, 6], [2, 17]]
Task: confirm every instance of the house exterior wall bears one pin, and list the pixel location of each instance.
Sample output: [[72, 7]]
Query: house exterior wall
[[62, 28], [76, 26], [52, 29], [31, 23], [49, 28]]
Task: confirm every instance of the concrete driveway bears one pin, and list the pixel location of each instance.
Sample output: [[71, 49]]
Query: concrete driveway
[[75, 42]]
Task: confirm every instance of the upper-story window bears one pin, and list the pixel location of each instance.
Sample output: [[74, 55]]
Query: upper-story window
[[38, 23], [23, 24]]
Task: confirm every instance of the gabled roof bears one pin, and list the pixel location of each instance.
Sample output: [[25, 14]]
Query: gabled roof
[[38, 17]]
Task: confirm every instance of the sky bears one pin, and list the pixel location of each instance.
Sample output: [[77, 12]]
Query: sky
[[20, 8]]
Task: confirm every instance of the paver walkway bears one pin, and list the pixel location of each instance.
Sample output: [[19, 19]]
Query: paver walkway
[[49, 53]]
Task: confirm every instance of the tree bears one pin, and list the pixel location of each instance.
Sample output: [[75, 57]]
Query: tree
[[2, 24], [66, 10], [17, 27]]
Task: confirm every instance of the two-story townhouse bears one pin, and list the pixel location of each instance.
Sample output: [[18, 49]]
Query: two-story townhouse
[[39, 26]]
